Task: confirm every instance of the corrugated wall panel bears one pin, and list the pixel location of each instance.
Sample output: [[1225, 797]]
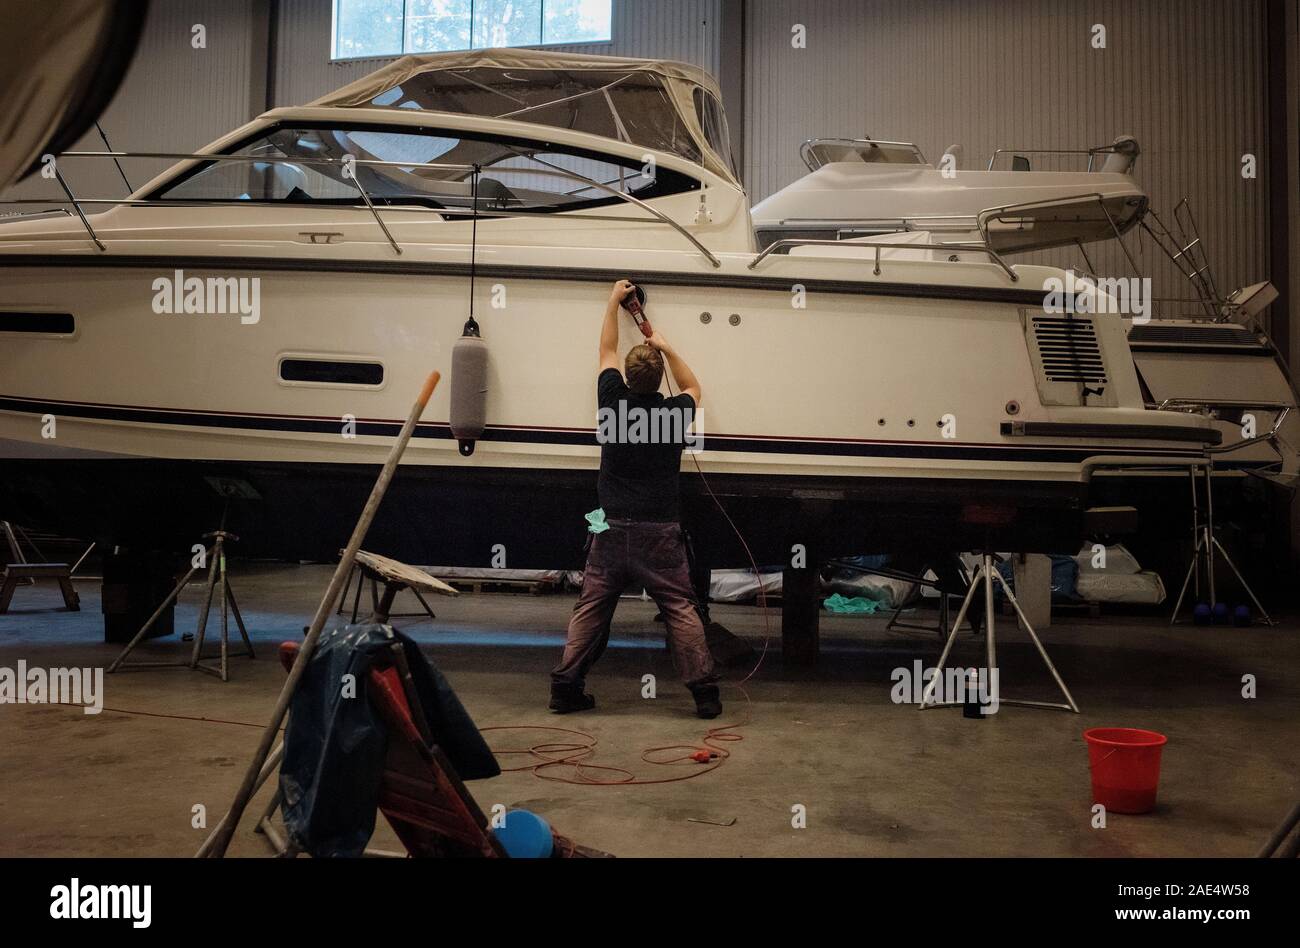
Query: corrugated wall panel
[[174, 97], [661, 29], [1183, 76]]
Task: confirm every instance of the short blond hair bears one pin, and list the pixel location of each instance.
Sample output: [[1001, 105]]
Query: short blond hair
[[644, 368]]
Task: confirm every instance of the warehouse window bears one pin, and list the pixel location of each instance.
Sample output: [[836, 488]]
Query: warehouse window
[[374, 28]]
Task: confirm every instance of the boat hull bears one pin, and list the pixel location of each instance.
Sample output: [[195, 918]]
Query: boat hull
[[873, 417]]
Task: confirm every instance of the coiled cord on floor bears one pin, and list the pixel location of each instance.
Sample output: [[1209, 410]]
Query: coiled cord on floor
[[548, 755]]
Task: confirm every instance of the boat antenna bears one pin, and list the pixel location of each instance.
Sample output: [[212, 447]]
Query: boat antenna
[[104, 138]]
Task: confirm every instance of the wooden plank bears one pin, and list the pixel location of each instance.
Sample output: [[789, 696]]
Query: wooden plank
[[38, 570]]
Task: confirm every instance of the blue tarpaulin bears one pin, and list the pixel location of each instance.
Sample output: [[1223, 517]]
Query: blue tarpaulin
[[336, 741]]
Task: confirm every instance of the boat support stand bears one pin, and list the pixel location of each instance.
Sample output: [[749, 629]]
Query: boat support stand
[[986, 574], [217, 579], [1206, 546]]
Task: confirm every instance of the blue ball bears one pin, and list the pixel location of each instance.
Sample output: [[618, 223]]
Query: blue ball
[[1221, 613], [525, 835], [1241, 616], [1201, 614]]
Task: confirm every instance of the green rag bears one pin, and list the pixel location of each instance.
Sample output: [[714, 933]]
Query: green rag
[[596, 521], [855, 606]]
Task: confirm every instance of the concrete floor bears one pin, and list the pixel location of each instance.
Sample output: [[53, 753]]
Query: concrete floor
[[877, 779]]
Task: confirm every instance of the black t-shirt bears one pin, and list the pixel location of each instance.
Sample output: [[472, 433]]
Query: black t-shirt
[[642, 437]]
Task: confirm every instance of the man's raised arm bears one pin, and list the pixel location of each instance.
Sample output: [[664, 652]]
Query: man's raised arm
[[609, 329], [686, 380]]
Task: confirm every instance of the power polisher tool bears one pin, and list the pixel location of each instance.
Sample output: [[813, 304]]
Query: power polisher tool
[[634, 303]]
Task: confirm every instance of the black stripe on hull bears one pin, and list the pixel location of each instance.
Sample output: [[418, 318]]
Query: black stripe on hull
[[1193, 434], [650, 278]]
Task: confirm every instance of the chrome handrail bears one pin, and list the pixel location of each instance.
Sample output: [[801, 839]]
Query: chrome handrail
[[1282, 410], [1092, 153], [1273, 435], [374, 213], [998, 213], [964, 221], [63, 183], [592, 182], [391, 208], [900, 245], [548, 171], [991, 213], [1260, 405]]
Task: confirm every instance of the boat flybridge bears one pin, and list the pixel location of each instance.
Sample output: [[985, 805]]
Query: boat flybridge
[[858, 188], [1209, 354], [247, 330]]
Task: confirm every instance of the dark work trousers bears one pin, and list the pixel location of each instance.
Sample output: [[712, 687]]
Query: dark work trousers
[[652, 555]]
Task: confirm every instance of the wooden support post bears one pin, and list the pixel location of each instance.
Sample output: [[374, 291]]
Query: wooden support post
[[219, 840], [800, 614]]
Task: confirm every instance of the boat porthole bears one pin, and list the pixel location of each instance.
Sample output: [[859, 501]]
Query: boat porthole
[[706, 318], [734, 319], [1013, 407], [881, 422], [911, 422]]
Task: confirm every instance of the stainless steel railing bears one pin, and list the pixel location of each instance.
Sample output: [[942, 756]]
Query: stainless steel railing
[[345, 165], [1005, 214], [780, 245], [1092, 153], [1282, 412]]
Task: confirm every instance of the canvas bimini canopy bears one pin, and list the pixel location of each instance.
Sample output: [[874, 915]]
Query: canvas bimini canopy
[[656, 104]]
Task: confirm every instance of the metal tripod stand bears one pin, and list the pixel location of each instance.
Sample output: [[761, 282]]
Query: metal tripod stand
[[1206, 546], [216, 561], [986, 573]]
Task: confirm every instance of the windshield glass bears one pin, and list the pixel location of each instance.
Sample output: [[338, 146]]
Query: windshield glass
[[516, 175], [632, 107], [714, 122], [825, 151]]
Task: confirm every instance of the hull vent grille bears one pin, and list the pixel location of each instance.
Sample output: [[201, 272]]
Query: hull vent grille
[[1069, 350]]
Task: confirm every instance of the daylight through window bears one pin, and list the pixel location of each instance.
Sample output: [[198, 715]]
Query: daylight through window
[[365, 28]]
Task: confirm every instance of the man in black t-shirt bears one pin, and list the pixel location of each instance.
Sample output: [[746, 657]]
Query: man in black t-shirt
[[642, 435]]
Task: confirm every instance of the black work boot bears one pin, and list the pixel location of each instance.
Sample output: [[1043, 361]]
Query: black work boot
[[708, 704], [565, 699]]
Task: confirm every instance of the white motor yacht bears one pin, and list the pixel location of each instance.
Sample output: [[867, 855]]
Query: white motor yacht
[[248, 329]]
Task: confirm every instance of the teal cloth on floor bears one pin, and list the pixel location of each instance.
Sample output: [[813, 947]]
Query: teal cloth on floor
[[855, 606], [596, 521]]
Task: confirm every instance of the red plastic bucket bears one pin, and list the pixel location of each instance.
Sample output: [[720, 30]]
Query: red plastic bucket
[[1125, 765]]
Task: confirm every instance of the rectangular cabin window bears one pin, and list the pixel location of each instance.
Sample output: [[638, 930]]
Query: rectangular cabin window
[[331, 372], [310, 163], [61, 324], [371, 28]]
